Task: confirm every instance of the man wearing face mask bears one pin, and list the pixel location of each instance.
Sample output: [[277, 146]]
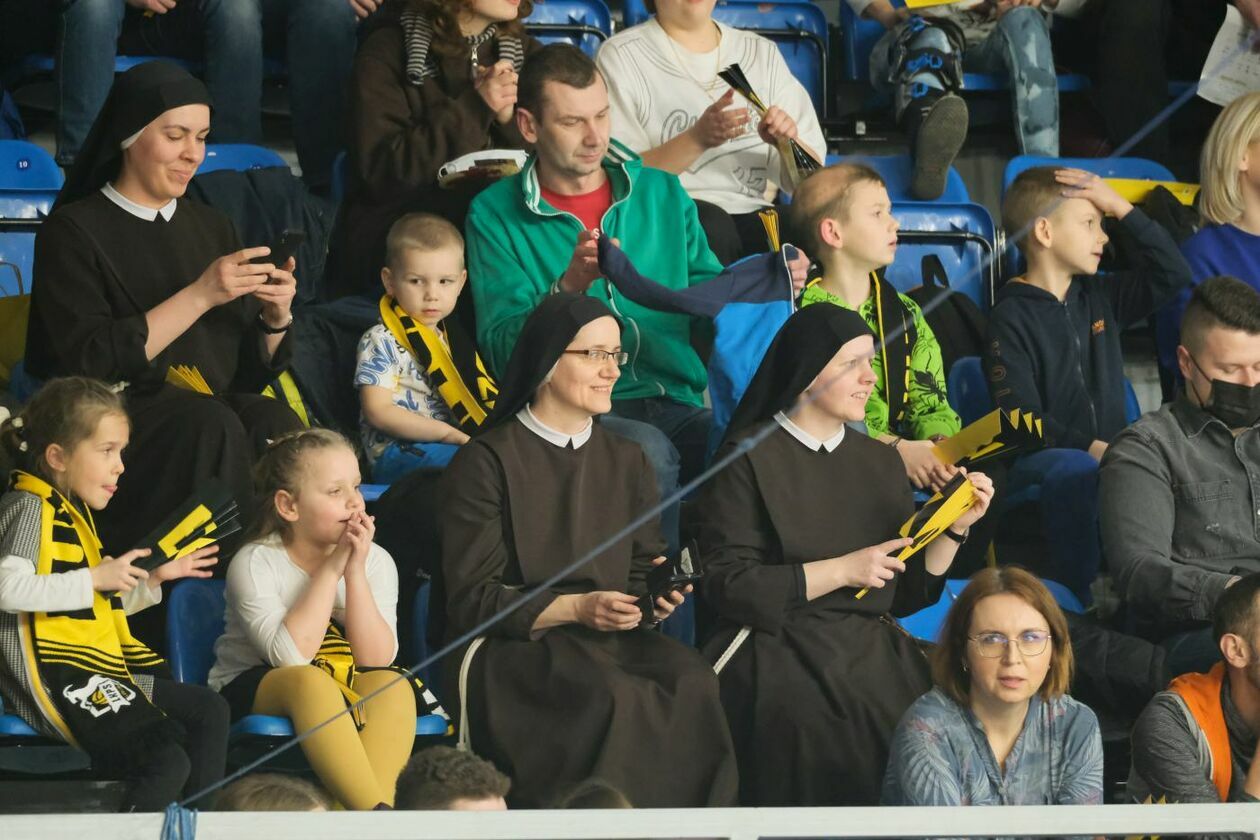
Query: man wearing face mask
[[1179, 489]]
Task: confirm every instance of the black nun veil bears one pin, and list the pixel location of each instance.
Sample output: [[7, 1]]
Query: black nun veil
[[804, 345], [137, 98], [547, 331]]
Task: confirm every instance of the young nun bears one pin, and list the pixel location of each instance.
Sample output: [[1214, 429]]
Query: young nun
[[790, 532], [573, 683], [131, 278]]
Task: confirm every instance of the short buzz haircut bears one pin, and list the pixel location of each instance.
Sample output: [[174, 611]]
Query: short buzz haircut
[[950, 655], [1033, 194], [421, 232], [435, 778], [1235, 611], [825, 194], [563, 63], [1225, 302]]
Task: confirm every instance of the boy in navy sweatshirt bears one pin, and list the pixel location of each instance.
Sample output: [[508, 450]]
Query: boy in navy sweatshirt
[[1054, 344]]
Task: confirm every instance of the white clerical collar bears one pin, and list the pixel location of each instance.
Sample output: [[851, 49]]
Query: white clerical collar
[[806, 438], [551, 435], [139, 210]]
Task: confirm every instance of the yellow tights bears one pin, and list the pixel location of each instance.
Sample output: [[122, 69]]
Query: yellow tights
[[358, 767]]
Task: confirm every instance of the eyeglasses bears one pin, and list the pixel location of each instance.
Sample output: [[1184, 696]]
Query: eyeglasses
[[601, 356], [993, 645]]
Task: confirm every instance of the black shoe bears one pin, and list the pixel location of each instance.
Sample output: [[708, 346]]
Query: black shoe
[[935, 142]]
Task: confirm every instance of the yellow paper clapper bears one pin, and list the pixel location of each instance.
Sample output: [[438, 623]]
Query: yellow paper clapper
[[189, 378], [206, 517], [996, 433], [931, 520], [1135, 190]]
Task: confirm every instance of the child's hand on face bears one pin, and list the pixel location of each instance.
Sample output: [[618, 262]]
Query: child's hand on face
[[1081, 184], [358, 537], [197, 564], [116, 574]]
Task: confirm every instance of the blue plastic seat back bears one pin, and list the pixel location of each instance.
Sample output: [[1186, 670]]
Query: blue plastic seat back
[[961, 236], [1113, 167], [29, 180], [967, 390], [926, 624], [240, 157], [799, 30], [584, 23], [898, 171], [194, 620], [17, 261]]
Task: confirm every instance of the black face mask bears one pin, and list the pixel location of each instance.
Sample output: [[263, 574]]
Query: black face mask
[[1237, 406]]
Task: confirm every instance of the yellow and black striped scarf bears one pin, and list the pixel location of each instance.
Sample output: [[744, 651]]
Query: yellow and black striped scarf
[[451, 370], [82, 663]]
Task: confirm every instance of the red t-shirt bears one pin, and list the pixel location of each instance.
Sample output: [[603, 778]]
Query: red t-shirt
[[588, 207]]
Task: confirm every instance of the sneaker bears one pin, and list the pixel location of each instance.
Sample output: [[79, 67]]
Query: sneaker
[[936, 140]]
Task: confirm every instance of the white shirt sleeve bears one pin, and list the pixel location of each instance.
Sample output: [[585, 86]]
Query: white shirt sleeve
[[21, 590], [141, 597], [382, 577], [626, 113], [254, 592]]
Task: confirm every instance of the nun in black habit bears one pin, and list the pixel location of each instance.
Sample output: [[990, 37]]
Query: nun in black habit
[[814, 679], [132, 278], [572, 684]]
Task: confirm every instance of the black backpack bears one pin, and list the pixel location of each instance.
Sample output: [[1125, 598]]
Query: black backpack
[[957, 322]]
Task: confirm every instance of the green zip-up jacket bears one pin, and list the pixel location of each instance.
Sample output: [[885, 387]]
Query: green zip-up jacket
[[519, 245]]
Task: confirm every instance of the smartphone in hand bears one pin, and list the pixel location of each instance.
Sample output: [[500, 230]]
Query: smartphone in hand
[[282, 248]]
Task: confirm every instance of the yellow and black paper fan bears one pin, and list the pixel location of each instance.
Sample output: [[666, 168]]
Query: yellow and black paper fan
[[206, 517], [799, 161]]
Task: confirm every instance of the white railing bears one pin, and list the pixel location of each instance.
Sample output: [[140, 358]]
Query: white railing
[[729, 823]]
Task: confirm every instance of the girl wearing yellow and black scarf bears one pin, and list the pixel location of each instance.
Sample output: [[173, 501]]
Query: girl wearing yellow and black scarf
[[69, 665], [310, 622]]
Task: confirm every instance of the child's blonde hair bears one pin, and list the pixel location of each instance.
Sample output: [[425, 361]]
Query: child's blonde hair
[[1033, 194], [1237, 127], [825, 194], [421, 232], [66, 412], [271, 792], [280, 468]]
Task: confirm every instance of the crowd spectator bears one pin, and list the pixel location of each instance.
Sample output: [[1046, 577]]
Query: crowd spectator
[[998, 727], [814, 678], [1053, 346], [271, 792], [433, 80], [921, 59], [1179, 516], [443, 778], [574, 682], [594, 794], [670, 106]]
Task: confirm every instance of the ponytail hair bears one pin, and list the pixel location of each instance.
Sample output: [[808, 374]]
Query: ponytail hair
[[280, 468], [65, 412]]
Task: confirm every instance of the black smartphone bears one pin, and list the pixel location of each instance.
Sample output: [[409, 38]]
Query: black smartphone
[[674, 575], [283, 248]]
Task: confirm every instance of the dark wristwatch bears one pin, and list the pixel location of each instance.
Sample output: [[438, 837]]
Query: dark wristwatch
[[270, 330], [961, 539]]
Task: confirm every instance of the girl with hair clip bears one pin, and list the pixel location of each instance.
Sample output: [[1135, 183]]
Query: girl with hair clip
[[998, 727], [814, 678], [310, 622], [433, 80], [69, 665]]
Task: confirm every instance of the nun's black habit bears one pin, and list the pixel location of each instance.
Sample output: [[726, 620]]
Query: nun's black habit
[[636, 708], [813, 693], [99, 269]]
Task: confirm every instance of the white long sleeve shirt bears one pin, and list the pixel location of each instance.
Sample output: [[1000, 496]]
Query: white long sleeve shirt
[[262, 585], [657, 90]]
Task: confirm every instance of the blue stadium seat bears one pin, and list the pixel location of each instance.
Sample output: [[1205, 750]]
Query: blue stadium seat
[[967, 390], [372, 492], [1110, 167], [240, 157], [29, 182], [961, 236], [194, 620], [897, 172], [583, 23], [46, 63], [926, 623], [859, 36], [799, 30]]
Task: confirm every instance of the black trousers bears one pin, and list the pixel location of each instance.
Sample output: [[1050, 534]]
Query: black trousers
[[174, 771], [732, 236]]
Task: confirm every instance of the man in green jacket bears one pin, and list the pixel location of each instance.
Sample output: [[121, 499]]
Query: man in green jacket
[[534, 234]]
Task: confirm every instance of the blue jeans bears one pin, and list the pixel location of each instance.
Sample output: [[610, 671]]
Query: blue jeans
[[399, 459], [1069, 512], [1017, 48], [319, 39]]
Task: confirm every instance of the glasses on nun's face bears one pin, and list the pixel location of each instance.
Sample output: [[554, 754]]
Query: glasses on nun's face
[[599, 357], [993, 645]]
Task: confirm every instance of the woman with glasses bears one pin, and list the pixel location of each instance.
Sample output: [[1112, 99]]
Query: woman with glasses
[[574, 682], [998, 728], [814, 678]]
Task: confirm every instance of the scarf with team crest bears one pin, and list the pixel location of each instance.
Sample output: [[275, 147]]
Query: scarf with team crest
[[84, 664], [450, 370]]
